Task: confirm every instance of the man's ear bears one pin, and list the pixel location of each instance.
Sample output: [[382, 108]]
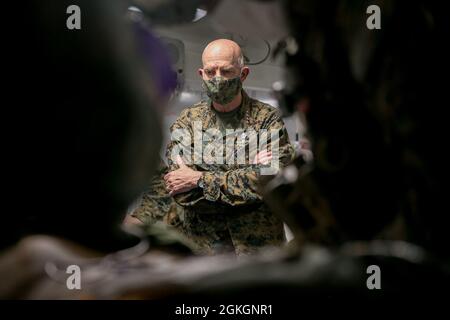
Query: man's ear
[[244, 73], [200, 72]]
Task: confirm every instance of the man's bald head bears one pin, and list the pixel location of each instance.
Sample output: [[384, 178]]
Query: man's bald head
[[223, 49], [223, 57]]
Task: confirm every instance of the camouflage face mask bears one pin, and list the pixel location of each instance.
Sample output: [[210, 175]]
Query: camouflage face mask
[[222, 90]]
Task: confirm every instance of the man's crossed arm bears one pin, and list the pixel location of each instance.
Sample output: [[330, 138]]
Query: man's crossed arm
[[185, 179]]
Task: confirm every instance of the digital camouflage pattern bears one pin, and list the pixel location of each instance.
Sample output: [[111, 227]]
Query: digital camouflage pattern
[[228, 213], [222, 90], [161, 216], [156, 205]]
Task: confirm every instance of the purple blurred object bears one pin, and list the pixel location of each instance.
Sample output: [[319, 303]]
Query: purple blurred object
[[157, 57]]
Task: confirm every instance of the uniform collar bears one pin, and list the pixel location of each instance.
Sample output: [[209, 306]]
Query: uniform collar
[[244, 110], [245, 103]]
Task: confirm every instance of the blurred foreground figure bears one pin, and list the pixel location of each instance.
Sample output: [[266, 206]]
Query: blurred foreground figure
[[89, 102], [373, 107], [85, 109]]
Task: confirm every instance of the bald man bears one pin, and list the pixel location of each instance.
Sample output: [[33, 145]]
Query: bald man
[[223, 210]]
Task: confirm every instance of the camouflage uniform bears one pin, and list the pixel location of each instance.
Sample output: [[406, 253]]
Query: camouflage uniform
[[228, 214], [156, 205]]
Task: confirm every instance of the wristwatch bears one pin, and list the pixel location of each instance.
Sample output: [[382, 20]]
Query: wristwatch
[[201, 182]]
